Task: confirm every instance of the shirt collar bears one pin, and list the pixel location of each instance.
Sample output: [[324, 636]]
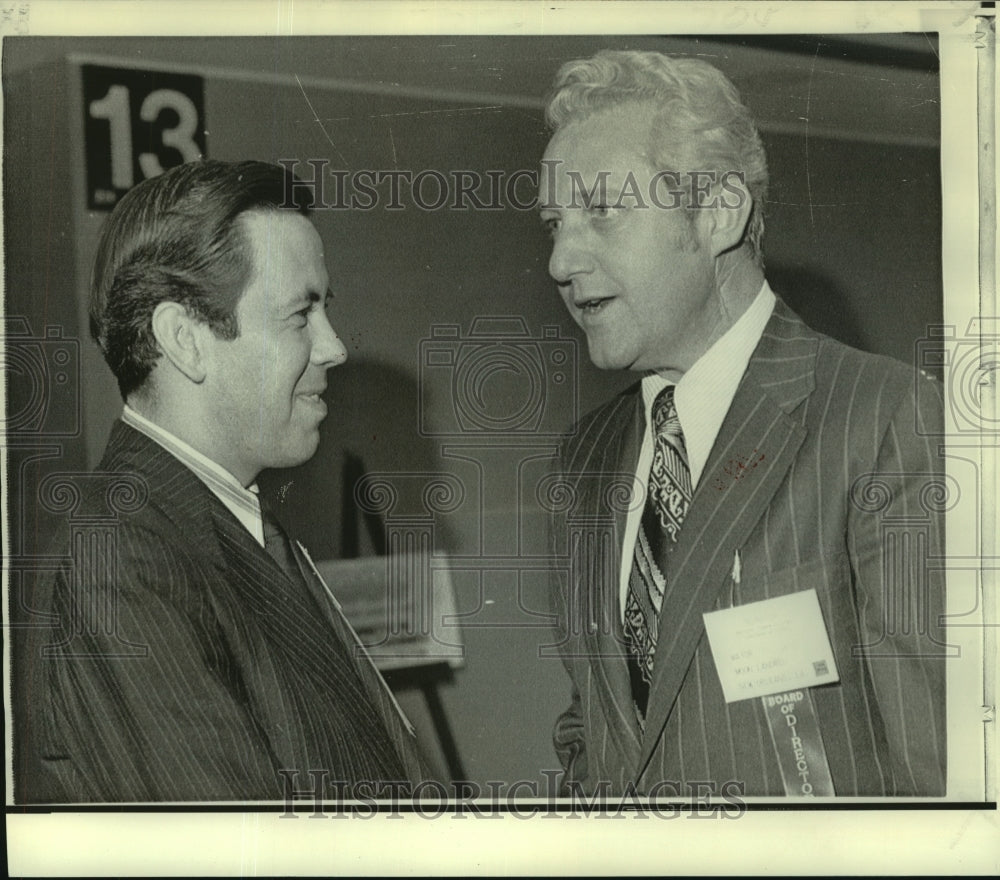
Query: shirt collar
[[244, 503], [706, 391]]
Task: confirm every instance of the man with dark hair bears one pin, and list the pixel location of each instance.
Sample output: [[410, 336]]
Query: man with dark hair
[[745, 625], [197, 654]]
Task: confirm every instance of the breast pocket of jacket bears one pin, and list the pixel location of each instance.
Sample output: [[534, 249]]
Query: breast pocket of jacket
[[829, 576]]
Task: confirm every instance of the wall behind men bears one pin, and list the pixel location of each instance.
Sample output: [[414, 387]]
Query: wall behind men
[[853, 243]]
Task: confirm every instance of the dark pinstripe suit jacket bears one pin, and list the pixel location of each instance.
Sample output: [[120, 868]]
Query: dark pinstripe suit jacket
[[236, 676], [819, 419]]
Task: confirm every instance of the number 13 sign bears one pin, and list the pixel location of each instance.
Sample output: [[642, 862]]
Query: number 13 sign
[[137, 123]]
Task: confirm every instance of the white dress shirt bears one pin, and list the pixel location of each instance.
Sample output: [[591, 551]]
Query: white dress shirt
[[703, 397]]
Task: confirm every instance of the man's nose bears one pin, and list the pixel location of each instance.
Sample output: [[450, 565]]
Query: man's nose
[[327, 349], [571, 256]]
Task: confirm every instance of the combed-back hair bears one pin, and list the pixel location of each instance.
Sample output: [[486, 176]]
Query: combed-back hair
[[699, 121], [177, 238]]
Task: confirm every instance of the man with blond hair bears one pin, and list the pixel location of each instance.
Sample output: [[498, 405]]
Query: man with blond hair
[[745, 627]]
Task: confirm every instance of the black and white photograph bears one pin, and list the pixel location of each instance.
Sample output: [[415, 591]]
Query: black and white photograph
[[541, 423]]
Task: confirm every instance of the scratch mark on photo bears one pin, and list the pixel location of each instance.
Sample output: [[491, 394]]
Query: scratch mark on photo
[[319, 122], [812, 70]]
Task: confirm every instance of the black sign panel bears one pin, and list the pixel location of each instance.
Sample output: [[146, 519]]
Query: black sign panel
[[137, 124]]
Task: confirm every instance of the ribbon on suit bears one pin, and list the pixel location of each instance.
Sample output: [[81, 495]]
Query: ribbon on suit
[[791, 718]]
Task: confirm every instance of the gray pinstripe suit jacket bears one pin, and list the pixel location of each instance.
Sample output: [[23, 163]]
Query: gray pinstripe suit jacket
[[242, 674], [819, 419]]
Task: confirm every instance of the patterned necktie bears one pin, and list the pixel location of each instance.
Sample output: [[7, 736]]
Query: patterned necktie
[[668, 497]]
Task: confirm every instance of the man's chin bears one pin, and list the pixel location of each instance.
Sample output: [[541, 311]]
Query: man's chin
[[294, 454], [609, 360]]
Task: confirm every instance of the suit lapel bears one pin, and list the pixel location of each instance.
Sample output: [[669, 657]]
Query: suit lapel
[[207, 523], [381, 696], [607, 459], [247, 584], [283, 642], [285, 615], [759, 433], [173, 489], [308, 636]]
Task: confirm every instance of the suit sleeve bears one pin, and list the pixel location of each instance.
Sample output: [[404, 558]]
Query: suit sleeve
[[142, 703], [569, 736], [895, 529]]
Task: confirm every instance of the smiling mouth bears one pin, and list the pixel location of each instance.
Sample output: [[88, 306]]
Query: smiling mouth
[[594, 305]]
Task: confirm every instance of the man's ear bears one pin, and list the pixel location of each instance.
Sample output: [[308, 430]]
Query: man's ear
[[179, 337], [729, 214]]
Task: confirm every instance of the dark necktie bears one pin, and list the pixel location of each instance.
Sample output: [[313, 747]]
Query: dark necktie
[[279, 546], [668, 497]]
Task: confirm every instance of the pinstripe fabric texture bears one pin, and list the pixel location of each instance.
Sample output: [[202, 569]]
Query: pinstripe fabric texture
[[844, 449], [242, 677]]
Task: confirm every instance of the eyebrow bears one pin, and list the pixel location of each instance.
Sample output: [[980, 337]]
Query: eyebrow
[[310, 298]]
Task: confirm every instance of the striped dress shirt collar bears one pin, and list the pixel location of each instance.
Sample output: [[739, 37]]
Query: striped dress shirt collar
[[243, 503]]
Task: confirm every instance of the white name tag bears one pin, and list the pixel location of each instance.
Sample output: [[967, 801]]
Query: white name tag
[[770, 646]]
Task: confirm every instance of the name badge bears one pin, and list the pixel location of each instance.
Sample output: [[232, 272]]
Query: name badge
[[771, 646]]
